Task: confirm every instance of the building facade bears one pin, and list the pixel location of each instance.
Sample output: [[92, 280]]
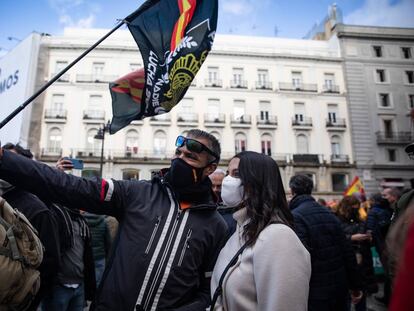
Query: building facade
[[379, 76], [283, 97]]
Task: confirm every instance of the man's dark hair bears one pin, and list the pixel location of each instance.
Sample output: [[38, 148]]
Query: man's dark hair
[[19, 150], [377, 199], [301, 184], [214, 144]]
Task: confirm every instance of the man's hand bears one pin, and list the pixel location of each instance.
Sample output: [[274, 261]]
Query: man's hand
[[64, 164], [360, 237], [356, 296]]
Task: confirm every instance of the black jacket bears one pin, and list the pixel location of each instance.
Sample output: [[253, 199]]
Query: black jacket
[[333, 261], [163, 256]]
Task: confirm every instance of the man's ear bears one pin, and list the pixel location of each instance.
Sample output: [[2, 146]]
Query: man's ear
[[210, 169]]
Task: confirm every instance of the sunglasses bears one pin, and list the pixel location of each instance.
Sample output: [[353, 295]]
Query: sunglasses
[[194, 146]]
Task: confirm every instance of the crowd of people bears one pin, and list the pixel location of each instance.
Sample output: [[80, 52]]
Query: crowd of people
[[196, 237]]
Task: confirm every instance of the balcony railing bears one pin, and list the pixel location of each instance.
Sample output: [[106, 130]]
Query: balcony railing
[[94, 115], [264, 85], [240, 84], [91, 153], [187, 117], [269, 120], [302, 87], [162, 118], [52, 152], [88, 78], [213, 83], [305, 121], [339, 158], [394, 137], [55, 114], [307, 158], [331, 88], [64, 78], [341, 123], [244, 119], [214, 118]]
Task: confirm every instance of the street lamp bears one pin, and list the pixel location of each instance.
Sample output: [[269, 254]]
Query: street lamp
[[101, 136]]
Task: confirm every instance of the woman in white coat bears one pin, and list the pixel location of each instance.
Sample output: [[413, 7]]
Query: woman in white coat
[[272, 270]]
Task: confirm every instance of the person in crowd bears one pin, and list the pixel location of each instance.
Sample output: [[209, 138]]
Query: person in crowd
[[392, 195], [225, 210], [355, 231], [322, 202], [41, 218], [273, 270], [334, 267], [170, 232], [101, 242]]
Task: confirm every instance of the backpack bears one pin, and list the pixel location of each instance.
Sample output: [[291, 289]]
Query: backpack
[[21, 253]]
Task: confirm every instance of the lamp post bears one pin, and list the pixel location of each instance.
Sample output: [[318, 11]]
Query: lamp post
[[101, 136]]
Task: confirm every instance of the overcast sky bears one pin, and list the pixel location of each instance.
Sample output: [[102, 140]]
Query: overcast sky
[[283, 18]]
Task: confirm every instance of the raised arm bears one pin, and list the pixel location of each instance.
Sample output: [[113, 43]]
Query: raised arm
[[98, 196]]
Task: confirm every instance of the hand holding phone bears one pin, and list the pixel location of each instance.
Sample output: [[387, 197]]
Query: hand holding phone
[[67, 163]]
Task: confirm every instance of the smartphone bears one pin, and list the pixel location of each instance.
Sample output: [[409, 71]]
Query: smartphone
[[77, 164]]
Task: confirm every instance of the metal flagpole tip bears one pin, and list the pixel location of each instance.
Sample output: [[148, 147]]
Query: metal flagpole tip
[[409, 149]]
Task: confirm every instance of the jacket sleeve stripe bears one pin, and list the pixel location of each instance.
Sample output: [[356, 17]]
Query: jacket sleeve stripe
[[103, 187], [110, 190]]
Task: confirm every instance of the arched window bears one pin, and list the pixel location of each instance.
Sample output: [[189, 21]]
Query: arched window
[[160, 143], [131, 141], [54, 141], [336, 145], [130, 174], [240, 143], [93, 145], [302, 144], [266, 142]]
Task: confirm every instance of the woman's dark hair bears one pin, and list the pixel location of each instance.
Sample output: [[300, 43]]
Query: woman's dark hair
[[264, 195], [345, 207]]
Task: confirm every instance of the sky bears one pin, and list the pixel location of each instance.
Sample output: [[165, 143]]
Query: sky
[[282, 18]]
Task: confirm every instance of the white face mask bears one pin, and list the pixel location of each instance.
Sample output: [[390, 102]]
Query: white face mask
[[232, 191]]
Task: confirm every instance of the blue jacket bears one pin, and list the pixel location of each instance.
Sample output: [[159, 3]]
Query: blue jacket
[[334, 267], [378, 221]]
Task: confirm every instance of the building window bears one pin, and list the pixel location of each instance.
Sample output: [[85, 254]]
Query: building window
[[131, 142], [297, 79], [406, 52], [54, 142], [388, 128], [411, 100], [93, 145], [130, 174], [90, 173], [263, 78], [380, 74], [299, 112], [266, 143], [59, 66], [238, 77], [187, 110], [95, 102], [160, 143], [339, 182], [336, 145], [332, 113], [97, 70], [239, 110], [240, 143], [58, 102], [377, 50], [410, 76], [264, 110], [302, 144], [213, 74], [384, 100], [391, 155], [329, 81], [213, 109]]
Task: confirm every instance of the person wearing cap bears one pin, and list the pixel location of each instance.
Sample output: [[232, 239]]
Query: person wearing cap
[[170, 232]]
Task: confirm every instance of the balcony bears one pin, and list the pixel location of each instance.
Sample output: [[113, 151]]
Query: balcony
[[55, 115], [129, 153], [161, 119], [84, 78], [331, 89], [301, 87], [88, 153], [302, 123], [264, 85], [267, 122], [238, 84], [213, 83], [64, 78], [214, 120], [244, 121], [312, 159], [397, 138], [94, 115], [336, 124], [51, 152], [187, 119], [340, 158]]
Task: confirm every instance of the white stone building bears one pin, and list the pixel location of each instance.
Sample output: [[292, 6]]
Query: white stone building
[[283, 97]]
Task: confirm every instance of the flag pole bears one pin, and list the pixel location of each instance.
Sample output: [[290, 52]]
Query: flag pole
[[57, 76]]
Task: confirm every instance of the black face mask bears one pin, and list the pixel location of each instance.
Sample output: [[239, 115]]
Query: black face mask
[[184, 175]]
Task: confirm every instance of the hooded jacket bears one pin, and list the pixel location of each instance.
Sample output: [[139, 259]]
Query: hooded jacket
[[163, 255]]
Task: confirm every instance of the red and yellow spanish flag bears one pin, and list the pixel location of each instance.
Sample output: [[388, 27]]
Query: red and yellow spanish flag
[[174, 38], [356, 186]]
